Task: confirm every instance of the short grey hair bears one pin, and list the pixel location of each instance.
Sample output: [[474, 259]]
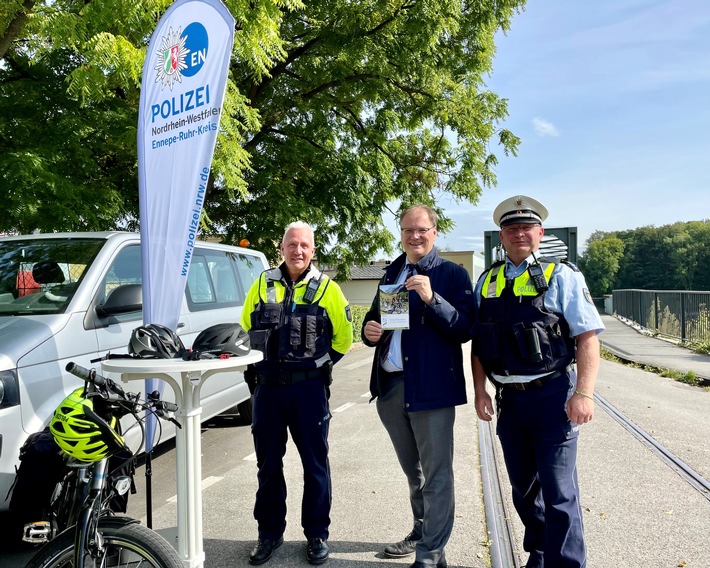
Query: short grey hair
[[433, 217], [299, 225]]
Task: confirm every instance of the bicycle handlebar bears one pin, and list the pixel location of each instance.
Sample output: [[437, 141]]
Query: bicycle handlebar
[[89, 375], [153, 399], [100, 381], [161, 405]]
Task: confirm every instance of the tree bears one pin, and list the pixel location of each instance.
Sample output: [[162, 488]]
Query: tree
[[689, 244], [63, 165], [336, 112], [69, 92], [600, 263], [647, 263], [670, 257]]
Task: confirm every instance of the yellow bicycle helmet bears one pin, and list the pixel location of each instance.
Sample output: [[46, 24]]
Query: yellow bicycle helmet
[[81, 433]]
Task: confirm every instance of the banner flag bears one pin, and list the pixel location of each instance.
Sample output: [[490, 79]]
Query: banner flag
[[182, 91]]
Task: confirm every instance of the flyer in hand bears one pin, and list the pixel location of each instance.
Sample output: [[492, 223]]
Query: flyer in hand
[[394, 306]]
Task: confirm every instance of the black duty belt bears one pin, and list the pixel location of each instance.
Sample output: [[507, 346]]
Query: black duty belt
[[290, 378], [535, 383]]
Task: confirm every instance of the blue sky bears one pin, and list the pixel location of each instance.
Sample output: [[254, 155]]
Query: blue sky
[[611, 99]]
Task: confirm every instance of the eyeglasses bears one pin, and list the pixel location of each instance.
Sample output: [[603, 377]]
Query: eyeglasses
[[515, 229], [416, 232]]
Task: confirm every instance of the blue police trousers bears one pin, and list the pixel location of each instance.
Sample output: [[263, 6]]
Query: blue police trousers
[[540, 450], [301, 409]]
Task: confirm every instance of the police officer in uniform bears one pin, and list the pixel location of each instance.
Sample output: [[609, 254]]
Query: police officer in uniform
[[301, 321], [535, 320]]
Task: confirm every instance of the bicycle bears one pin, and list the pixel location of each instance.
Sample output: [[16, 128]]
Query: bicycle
[[86, 426]]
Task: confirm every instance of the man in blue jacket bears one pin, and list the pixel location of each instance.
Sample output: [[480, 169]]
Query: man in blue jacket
[[418, 380]]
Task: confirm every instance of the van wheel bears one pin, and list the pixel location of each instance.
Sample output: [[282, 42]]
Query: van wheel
[[245, 410]]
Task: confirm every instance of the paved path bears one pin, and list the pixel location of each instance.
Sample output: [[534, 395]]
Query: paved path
[[629, 343]]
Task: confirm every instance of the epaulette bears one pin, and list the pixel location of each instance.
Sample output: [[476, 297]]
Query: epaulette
[[572, 265]]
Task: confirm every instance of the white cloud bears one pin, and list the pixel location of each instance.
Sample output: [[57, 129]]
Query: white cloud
[[544, 127]]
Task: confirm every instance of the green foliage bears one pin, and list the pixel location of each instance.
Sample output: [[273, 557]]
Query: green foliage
[[334, 110], [375, 102], [358, 313], [671, 257], [600, 263], [699, 328], [668, 322]]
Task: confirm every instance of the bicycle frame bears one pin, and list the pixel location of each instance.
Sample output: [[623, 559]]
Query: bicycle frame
[[85, 502], [88, 540]]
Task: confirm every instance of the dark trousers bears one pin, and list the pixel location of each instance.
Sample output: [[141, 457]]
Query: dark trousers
[[540, 449], [301, 409], [424, 444]]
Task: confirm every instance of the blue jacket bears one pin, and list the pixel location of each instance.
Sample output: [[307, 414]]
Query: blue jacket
[[431, 347]]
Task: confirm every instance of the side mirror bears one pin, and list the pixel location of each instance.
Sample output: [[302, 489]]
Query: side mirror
[[122, 300]]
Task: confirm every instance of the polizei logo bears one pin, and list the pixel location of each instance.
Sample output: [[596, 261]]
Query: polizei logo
[[181, 54]]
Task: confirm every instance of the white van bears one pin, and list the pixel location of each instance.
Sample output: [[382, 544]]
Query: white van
[[75, 297]]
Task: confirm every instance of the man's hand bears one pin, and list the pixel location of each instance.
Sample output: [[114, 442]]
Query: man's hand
[[580, 409], [422, 286], [482, 400], [373, 331], [484, 406]]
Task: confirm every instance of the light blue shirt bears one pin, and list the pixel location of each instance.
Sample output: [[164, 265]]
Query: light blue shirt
[[393, 362], [567, 295]]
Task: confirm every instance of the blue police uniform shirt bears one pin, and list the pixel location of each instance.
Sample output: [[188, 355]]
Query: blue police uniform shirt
[[567, 295]]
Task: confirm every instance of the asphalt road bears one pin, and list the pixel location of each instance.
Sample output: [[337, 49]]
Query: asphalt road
[[638, 512]]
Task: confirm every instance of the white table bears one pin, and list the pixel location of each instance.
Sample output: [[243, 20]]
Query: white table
[[186, 379]]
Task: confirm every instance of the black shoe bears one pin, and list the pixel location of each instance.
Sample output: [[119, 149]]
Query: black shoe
[[403, 547], [317, 550], [263, 550], [441, 564]]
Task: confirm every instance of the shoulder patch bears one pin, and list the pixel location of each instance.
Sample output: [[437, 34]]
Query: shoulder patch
[[588, 296], [348, 314]]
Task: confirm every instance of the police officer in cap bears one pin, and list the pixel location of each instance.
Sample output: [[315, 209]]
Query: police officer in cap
[[535, 339], [301, 321]]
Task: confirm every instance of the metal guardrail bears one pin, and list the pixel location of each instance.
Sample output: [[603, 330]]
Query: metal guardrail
[[679, 314]]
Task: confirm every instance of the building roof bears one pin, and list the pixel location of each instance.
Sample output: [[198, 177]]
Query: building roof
[[367, 272]]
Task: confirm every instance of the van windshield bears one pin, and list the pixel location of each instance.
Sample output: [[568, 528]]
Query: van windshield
[[40, 276]]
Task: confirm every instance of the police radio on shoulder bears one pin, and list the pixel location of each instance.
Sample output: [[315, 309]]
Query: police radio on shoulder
[[310, 294], [537, 276]]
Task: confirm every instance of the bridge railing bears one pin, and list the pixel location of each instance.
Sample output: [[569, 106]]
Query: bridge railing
[[679, 314]]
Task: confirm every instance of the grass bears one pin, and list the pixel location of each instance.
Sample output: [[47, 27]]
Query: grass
[[689, 378]]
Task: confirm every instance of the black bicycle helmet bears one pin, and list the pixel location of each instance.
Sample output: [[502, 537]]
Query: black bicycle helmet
[[221, 339], [155, 341]]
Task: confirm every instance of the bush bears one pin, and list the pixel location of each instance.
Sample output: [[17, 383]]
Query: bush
[[358, 313]]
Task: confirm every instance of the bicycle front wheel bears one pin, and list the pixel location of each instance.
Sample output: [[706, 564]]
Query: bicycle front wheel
[[125, 545]]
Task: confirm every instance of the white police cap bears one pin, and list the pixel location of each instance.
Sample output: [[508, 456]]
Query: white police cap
[[519, 209]]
